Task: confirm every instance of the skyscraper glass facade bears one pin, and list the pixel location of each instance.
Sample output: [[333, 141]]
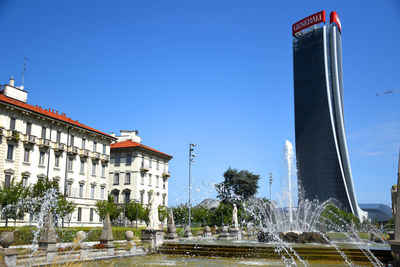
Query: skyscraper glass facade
[[321, 149]]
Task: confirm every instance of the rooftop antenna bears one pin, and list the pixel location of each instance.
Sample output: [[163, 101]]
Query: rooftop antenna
[[23, 71]]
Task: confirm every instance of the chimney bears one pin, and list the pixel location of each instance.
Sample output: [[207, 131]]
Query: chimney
[[11, 81]]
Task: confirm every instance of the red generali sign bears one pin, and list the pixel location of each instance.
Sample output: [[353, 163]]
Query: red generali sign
[[335, 19], [309, 21]]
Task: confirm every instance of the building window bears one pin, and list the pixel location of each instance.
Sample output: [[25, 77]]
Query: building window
[[12, 123], [82, 166], [148, 198], [70, 164], [92, 190], [163, 184], [142, 161], [128, 159], [80, 190], [127, 197], [93, 168], [150, 179], [79, 214], [7, 180], [116, 195], [71, 140], [150, 162], [91, 215], [94, 147], [157, 181], [10, 152], [104, 149], [142, 178], [83, 143], [25, 181], [102, 193], [26, 155], [158, 164], [41, 158], [116, 178], [117, 159], [69, 186], [141, 197], [164, 167], [128, 178], [58, 138], [163, 200], [28, 128], [103, 170], [57, 161], [43, 132]]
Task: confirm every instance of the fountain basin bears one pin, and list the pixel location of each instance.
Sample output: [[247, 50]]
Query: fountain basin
[[251, 249]]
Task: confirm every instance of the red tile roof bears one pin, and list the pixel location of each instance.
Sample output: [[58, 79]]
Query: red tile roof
[[130, 143], [49, 113]]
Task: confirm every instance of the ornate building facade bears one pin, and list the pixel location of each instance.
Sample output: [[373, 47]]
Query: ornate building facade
[[36, 143]]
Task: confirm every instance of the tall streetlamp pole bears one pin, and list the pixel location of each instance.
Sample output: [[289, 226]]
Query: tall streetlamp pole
[[271, 178], [191, 156]]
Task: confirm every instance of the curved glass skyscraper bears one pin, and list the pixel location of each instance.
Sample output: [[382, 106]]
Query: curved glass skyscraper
[[321, 150]]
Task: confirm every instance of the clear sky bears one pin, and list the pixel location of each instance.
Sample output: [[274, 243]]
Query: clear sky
[[216, 73]]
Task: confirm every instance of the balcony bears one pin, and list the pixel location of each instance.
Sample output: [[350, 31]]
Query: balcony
[[83, 153], [58, 147], [29, 139], [105, 158], [72, 150], [96, 155], [44, 143], [166, 174], [2, 131], [13, 135], [144, 168]]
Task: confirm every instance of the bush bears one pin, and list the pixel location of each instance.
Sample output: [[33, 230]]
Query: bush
[[25, 235]]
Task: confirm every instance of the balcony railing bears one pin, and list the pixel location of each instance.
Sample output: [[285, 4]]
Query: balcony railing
[[43, 142], [105, 158], [29, 139], [59, 147], [96, 155], [72, 150], [13, 135], [2, 131], [166, 174], [144, 168], [83, 153]]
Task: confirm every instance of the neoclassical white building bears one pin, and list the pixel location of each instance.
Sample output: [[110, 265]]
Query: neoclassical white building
[[36, 143], [138, 172]]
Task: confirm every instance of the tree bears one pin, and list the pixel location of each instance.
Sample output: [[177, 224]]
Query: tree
[[45, 190], [201, 215], [180, 214], [144, 215], [162, 213], [336, 216], [133, 210], [237, 186], [12, 200], [64, 207], [108, 206]]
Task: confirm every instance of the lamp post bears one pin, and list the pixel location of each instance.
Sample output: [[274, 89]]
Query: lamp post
[[191, 156], [137, 211], [271, 178]]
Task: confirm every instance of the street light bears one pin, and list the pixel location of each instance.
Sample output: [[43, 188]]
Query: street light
[[191, 156], [137, 211], [271, 178]]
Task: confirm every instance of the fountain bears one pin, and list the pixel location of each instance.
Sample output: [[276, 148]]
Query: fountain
[[292, 234]]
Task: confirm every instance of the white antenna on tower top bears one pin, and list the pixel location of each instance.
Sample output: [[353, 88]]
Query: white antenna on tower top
[[23, 72]]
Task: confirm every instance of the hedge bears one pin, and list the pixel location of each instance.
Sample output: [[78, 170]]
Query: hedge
[[25, 235]]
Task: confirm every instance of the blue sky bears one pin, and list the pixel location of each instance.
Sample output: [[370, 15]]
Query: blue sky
[[217, 73]]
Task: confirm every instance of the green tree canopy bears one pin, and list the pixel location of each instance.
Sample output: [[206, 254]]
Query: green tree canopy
[[12, 200], [108, 206], [237, 185]]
